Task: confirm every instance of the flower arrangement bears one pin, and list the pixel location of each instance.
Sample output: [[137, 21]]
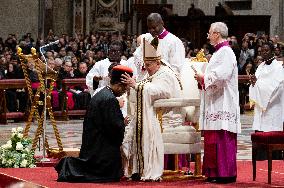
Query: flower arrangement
[[16, 153]]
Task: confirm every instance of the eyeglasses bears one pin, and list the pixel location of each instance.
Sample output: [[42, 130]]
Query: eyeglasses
[[208, 34]]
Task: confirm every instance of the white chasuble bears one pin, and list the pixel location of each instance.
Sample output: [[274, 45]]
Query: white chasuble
[[143, 144]]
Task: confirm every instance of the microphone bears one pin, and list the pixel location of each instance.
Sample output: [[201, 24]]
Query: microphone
[[50, 44]]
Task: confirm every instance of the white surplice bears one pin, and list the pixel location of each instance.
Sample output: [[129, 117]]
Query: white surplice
[[171, 50], [219, 108], [163, 84], [268, 96]]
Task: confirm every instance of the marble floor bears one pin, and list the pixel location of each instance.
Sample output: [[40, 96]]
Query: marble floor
[[71, 131]]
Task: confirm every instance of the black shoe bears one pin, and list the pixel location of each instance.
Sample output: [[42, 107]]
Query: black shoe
[[135, 177], [210, 179], [225, 180]]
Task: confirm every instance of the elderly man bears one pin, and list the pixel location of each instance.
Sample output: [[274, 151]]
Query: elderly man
[[220, 113], [143, 142]]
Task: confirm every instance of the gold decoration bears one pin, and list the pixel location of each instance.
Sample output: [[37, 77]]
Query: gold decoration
[[200, 57]]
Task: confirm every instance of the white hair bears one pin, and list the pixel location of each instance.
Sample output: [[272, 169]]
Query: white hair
[[221, 28]]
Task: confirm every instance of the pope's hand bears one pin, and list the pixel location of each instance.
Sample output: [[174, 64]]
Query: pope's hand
[[127, 79]]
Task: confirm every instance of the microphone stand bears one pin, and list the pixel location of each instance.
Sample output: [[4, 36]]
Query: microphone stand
[[44, 159]]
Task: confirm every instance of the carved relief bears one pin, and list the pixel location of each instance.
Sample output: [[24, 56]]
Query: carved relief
[[106, 16], [78, 19]]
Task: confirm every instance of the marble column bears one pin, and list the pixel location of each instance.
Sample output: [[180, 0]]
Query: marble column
[[88, 16]]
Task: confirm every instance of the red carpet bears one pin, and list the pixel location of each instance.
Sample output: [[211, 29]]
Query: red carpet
[[46, 176]]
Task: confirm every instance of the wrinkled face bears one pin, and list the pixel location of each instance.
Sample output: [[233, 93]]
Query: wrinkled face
[[67, 66], [155, 28], [266, 53], [152, 66], [51, 64], [83, 68], [213, 37], [114, 53]]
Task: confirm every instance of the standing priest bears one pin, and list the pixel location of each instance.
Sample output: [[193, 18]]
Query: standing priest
[[220, 112]]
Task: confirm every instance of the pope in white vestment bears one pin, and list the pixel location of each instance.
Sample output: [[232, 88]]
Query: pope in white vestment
[[143, 144]]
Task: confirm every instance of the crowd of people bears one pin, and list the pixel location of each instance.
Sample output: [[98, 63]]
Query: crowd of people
[[105, 60], [75, 56]]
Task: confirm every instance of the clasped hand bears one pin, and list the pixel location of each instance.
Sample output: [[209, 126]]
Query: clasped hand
[[198, 77], [252, 79]]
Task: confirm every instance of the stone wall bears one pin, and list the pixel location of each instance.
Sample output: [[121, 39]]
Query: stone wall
[[63, 17], [19, 17], [259, 7]]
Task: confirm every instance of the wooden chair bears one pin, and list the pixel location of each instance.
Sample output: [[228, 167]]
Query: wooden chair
[[270, 141], [10, 84], [65, 113]]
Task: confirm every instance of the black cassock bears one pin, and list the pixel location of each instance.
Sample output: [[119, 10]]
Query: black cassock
[[103, 131]]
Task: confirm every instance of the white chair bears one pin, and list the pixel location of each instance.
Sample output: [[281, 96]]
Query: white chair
[[177, 138]]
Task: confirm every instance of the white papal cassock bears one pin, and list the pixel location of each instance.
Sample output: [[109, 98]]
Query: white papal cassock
[[143, 144]]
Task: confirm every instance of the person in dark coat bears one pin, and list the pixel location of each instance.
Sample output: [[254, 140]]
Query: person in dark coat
[[103, 132]]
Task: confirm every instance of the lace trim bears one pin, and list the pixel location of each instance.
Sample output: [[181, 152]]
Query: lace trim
[[221, 115]]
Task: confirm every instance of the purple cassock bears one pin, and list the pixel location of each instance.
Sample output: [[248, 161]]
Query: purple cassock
[[220, 153]]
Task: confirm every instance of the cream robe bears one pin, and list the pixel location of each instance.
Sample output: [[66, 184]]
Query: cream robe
[[268, 95], [220, 101], [163, 84]]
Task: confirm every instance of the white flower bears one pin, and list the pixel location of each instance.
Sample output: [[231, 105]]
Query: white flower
[[23, 155], [10, 162], [14, 130], [20, 135], [24, 163], [19, 146], [8, 145], [20, 129], [9, 142]]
